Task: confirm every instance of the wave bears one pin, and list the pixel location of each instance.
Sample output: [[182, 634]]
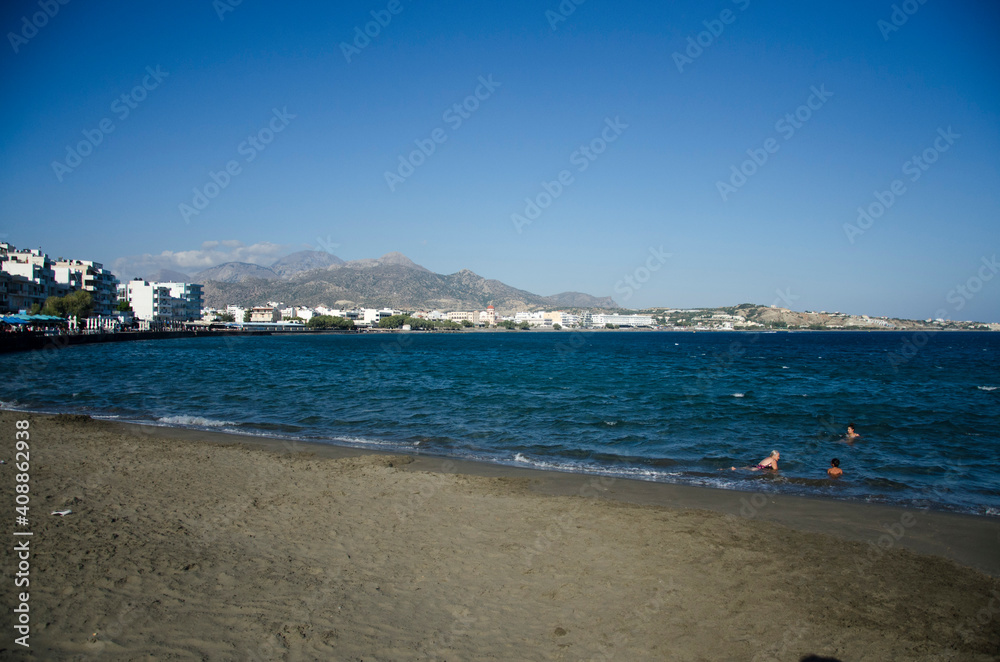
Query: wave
[[198, 421], [987, 388]]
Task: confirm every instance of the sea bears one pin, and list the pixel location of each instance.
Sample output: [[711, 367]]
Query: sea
[[671, 407]]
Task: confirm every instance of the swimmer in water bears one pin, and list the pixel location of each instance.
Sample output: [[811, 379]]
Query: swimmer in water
[[770, 463], [834, 471], [852, 435]]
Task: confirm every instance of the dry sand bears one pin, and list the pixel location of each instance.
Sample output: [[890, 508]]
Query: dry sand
[[189, 545]]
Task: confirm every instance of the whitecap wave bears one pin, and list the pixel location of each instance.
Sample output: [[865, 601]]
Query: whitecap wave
[[520, 458], [987, 388], [739, 395], [199, 421], [366, 441]]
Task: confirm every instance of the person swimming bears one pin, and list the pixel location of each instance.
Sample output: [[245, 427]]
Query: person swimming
[[852, 434], [834, 471], [770, 462]]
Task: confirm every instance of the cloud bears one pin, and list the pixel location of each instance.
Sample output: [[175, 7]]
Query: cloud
[[211, 254]]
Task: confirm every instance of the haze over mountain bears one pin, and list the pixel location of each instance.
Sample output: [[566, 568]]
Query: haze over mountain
[[392, 280], [304, 261]]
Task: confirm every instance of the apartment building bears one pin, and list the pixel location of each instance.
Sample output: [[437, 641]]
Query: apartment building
[[73, 275], [162, 302]]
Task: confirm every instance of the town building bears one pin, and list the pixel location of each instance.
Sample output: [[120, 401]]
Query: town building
[[460, 317], [191, 296], [32, 279], [162, 302], [372, 316], [265, 314], [91, 276], [599, 320]]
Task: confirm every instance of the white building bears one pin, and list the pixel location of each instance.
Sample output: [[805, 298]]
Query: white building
[[32, 278], [238, 312], [90, 276], [600, 319], [149, 301], [372, 316], [162, 302], [191, 296]]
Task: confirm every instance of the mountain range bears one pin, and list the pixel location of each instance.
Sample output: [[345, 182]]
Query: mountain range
[[313, 278]]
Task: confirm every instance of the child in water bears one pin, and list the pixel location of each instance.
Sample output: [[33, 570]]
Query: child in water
[[834, 471]]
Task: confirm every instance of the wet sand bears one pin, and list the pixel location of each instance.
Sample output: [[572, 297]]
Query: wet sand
[[193, 545]]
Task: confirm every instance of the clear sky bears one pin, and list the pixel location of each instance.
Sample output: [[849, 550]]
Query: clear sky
[[669, 103]]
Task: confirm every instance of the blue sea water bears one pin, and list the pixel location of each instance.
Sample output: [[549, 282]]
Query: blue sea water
[[661, 406]]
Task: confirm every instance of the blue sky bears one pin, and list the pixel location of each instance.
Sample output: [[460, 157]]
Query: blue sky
[[662, 185]]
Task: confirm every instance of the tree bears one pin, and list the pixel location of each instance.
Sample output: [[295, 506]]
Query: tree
[[329, 322], [225, 317], [393, 322], [524, 326], [246, 315], [557, 326], [124, 306], [77, 304], [466, 324]]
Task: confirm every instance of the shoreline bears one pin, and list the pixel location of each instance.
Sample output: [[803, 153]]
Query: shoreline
[[191, 544], [750, 504]]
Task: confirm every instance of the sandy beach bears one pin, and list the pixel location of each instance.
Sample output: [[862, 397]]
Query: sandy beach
[[192, 545]]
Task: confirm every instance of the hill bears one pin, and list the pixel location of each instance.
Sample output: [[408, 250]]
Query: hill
[[391, 281]]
